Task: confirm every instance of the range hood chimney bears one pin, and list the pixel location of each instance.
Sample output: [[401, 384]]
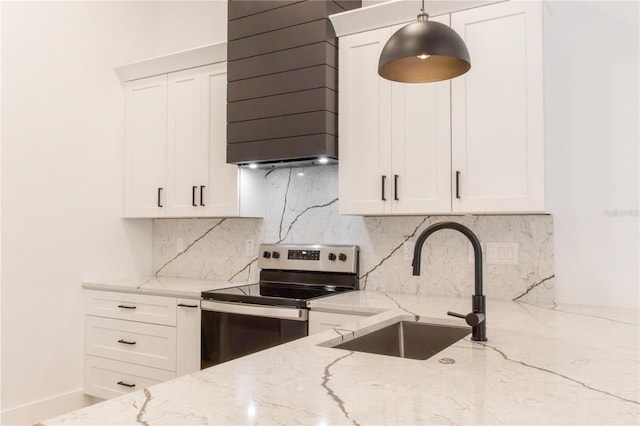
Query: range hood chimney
[[282, 71]]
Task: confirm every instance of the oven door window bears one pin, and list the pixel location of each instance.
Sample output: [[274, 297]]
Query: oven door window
[[226, 336]]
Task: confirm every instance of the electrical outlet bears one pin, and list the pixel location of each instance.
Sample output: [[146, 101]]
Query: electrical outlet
[[408, 247], [249, 248], [502, 253], [179, 245]]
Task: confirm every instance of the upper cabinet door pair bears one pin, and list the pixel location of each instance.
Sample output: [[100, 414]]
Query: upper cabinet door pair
[[474, 144]]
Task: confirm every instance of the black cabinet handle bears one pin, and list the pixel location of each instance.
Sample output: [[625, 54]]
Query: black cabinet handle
[[384, 179], [202, 195], [193, 196], [457, 184], [395, 187], [121, 383], [126, 342], [159, 197], [182, 305], [126, 307]]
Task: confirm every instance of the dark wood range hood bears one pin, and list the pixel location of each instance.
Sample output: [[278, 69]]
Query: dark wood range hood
[[282, 99]]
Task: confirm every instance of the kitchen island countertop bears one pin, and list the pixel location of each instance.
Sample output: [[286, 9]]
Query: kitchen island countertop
[[564, 364]]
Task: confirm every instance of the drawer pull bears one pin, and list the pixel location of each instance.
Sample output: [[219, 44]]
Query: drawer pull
[[126, 342], [121, 383], [182, 305], [126, 307]]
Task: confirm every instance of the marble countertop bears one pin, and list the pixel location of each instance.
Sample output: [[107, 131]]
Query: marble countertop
[[160, 286], [541, 365]]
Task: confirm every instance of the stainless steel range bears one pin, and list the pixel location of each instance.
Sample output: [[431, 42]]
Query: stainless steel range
[[242, 320]]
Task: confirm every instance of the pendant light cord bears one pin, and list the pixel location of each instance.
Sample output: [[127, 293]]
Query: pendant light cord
[[423, 16]]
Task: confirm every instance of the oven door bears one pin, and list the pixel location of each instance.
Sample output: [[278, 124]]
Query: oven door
[[232, 330]]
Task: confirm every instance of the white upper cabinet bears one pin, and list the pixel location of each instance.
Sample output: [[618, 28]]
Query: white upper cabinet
[[176, 147], [497, 110], [146, 147], [187, 140], [364, 125], [394, 137], [474, 144]]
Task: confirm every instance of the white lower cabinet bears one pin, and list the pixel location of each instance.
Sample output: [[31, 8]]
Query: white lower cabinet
[[106, 378], [321, 321], [133, 341]]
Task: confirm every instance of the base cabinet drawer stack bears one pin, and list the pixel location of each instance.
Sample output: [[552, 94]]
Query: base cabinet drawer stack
[[133, 341]]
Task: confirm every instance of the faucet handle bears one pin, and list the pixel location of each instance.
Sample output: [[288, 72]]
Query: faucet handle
[[473, 319]]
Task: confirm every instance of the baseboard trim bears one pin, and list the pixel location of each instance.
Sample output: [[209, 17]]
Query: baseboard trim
[[39, 411]]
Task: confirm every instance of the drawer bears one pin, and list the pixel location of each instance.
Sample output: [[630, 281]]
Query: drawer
[[135, 342], [106, 378], [130, 306]]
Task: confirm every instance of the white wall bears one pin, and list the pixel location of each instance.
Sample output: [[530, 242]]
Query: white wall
[[591, 104], [62, 176]]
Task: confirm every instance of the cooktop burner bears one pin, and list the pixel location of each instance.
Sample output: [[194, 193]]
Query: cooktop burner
[[291, 275], [272, 294]]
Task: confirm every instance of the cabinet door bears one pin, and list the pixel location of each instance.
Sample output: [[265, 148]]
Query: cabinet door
[[497, 110], [188, 336], [365, 179], [421, 143], [219, 181], [185, 141], [146, 147]]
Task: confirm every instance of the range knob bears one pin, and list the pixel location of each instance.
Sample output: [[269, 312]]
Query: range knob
[[342, 257], [332, 256], [266, 254], [275, 255]]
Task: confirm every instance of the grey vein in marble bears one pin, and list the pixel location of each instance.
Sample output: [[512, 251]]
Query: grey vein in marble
[[143, 409], [331, 393], [532, 286], [344, 332], [546, 370], [284, 206], [317, 206], [555, 309], [189, 246], [384, 259], [248, 265], [416, 316]]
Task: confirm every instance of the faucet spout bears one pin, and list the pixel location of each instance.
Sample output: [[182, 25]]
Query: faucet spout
[[476, 319]]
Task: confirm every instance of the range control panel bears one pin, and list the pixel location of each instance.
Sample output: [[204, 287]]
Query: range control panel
[[314, 257]]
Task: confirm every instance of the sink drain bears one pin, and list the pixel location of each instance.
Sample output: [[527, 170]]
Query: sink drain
[[447, 361]]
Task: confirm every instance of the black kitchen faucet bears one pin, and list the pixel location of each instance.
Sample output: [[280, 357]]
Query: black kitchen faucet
[[476, 319]]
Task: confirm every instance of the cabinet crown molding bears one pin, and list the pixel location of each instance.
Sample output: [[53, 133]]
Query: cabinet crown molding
[[395, 12], [177, 61]]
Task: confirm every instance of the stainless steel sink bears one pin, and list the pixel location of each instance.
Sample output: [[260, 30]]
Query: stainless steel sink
[[407, 339]]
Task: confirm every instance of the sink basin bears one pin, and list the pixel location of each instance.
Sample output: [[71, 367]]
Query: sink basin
[[407, 339]]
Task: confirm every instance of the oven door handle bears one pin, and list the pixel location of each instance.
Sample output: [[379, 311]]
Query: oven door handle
[[256, 310]]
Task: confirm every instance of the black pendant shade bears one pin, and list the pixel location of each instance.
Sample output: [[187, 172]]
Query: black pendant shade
[[423, 52]]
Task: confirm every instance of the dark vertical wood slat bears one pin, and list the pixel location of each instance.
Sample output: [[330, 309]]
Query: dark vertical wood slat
[[285, 149], [284, 60], [275, 19], [284, 82], [288, 103], [286, 38], [240, 8], [309, 123], [348, 4]]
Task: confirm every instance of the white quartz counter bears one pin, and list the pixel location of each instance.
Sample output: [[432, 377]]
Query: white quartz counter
[[160, 286], [561, 365]]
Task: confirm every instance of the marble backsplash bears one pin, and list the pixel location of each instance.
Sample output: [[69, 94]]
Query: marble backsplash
[[302, 207]]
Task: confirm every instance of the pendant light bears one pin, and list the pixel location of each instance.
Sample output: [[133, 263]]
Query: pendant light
[[422, 52]]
